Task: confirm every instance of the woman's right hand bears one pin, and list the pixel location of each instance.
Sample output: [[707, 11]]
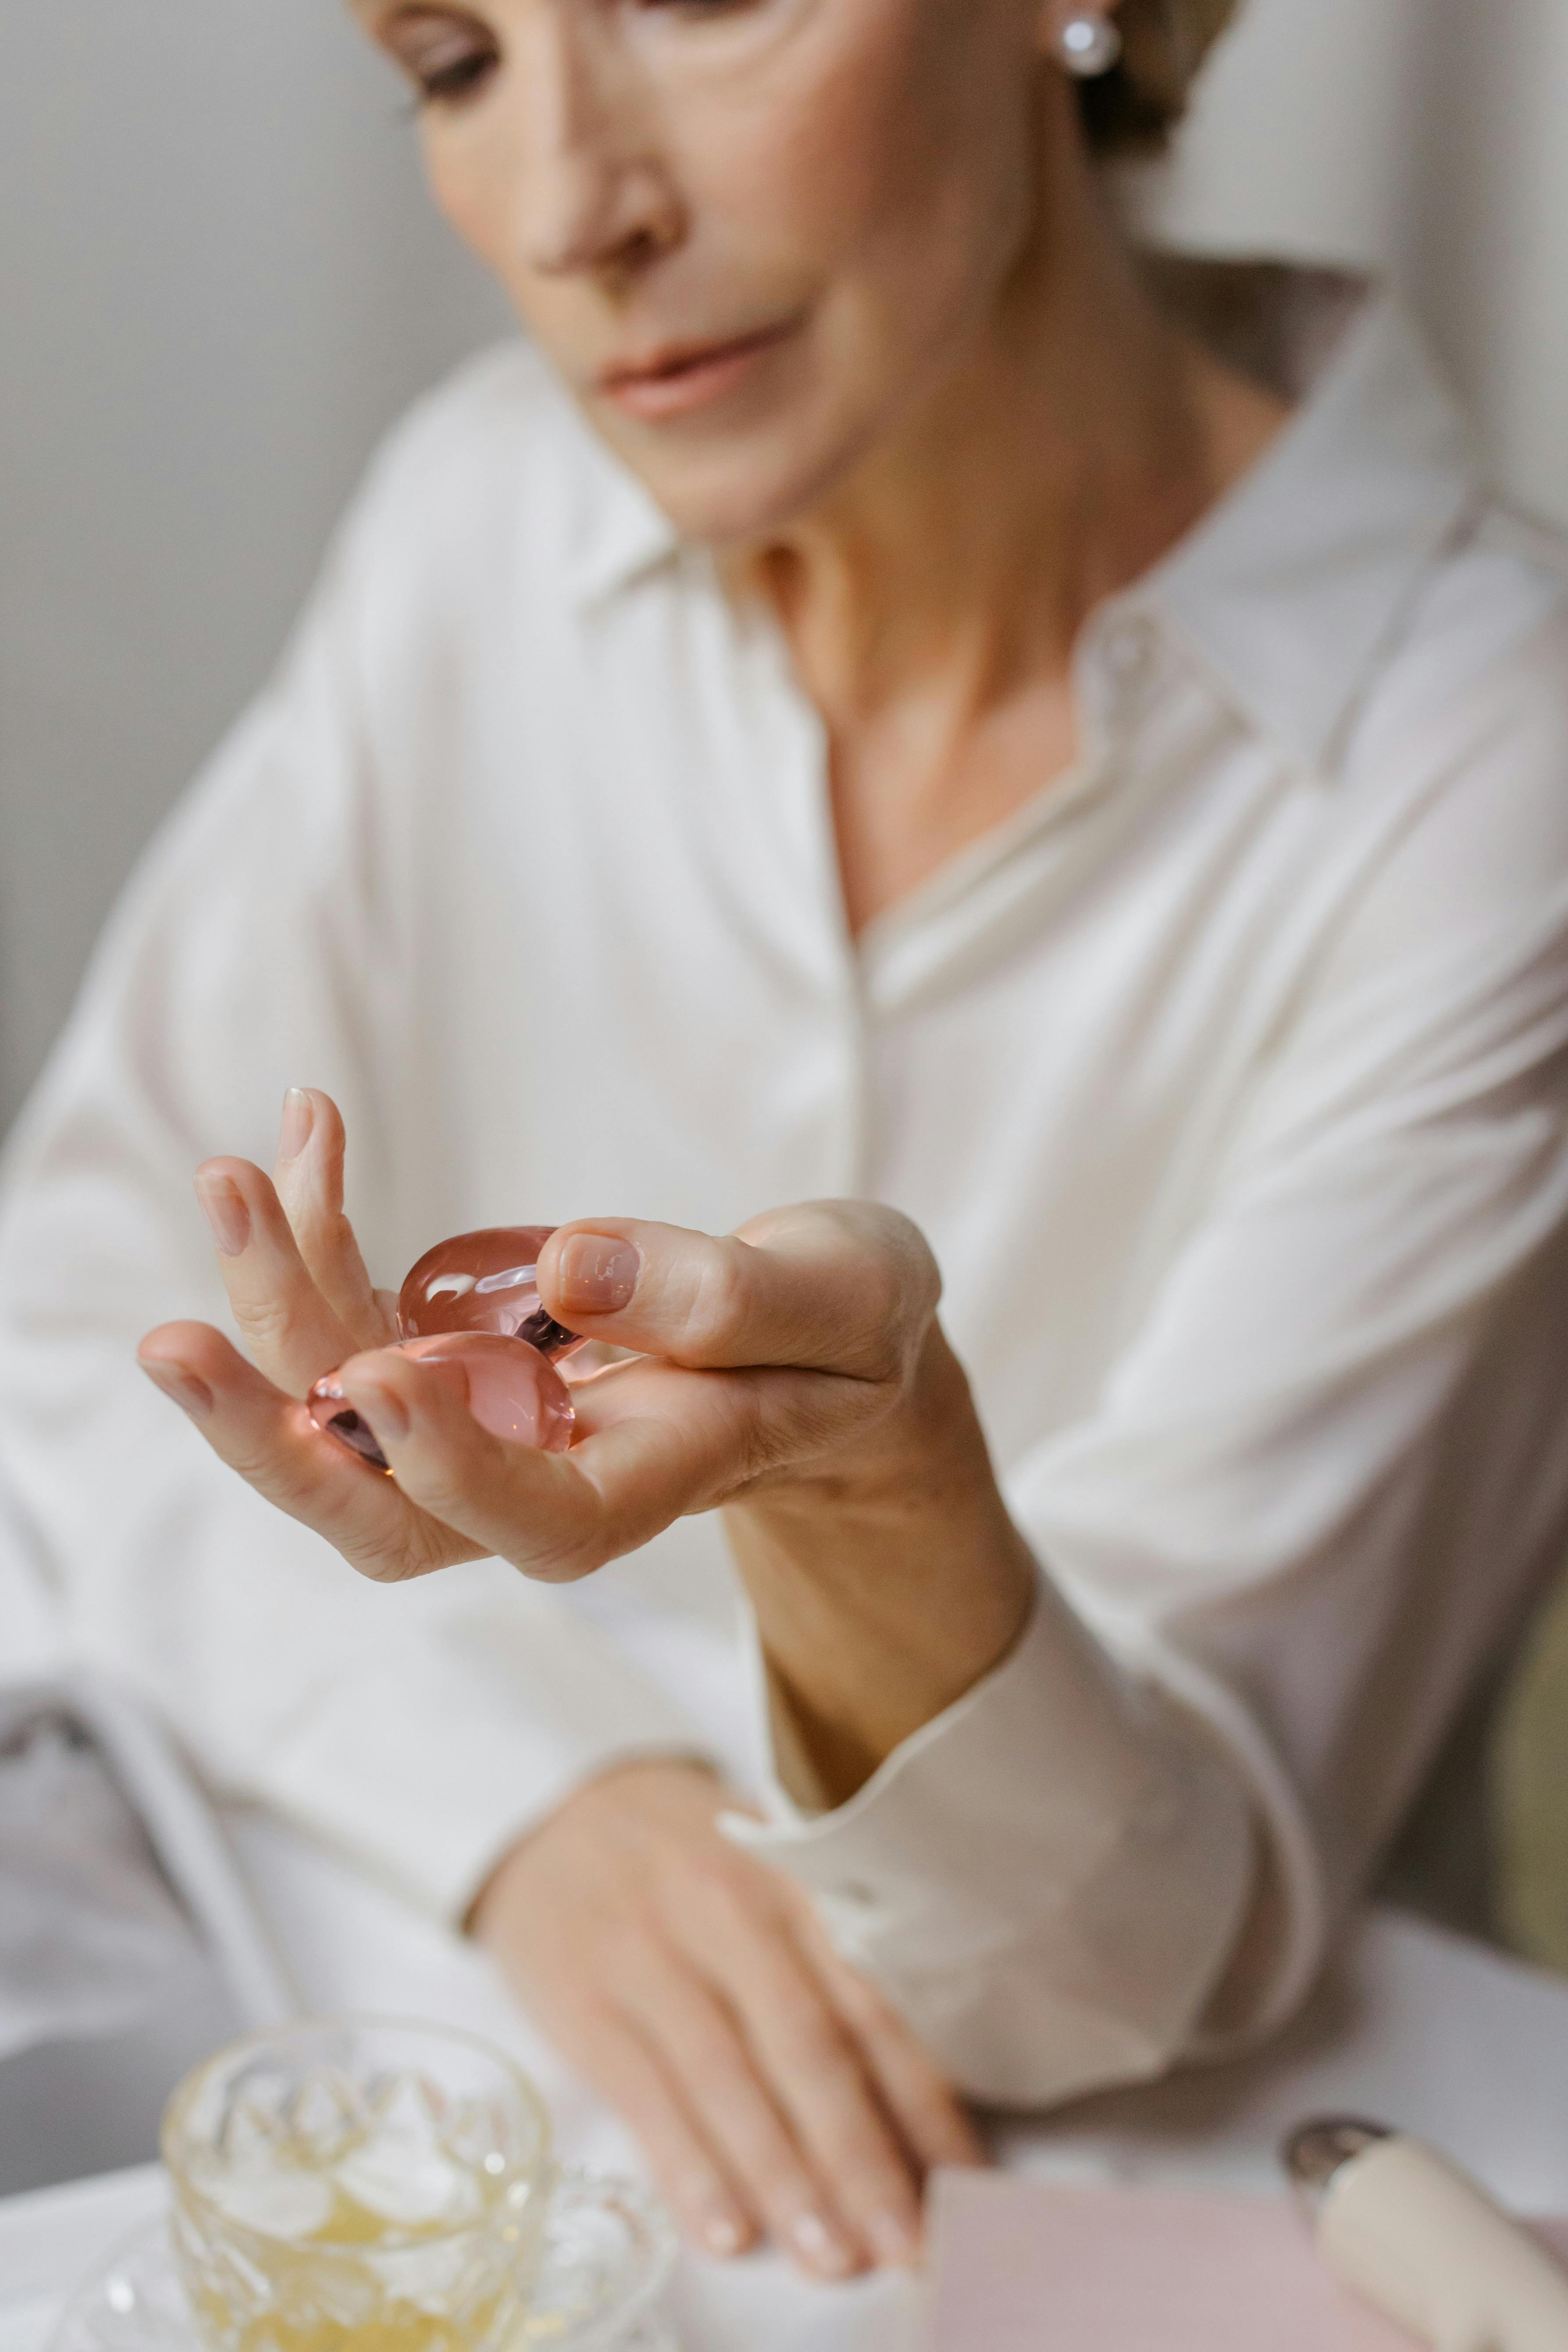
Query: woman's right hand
[[773, 2089]]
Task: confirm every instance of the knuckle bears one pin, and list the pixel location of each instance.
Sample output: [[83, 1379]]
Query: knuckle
[[436, 1486], [702, 1888], [859, 2002], [881, 1349], [565, 1560], [911, 1281], [907, 1249], [323, 1240], [857, 1996], [814, 2041], [760, 1437], [268, 1322], [383, 1564], [716, 1310], [258, 1465], [714, 2062]]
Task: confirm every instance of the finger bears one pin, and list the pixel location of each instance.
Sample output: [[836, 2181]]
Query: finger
[[557, 1516], [656, 1444], [710, 2205], [311, 1143], [815, 2070], [839, 1286], [700, 2047], [513, 1501], [687, 1442], [931, 2119], [273, 1444], [289, 1328]]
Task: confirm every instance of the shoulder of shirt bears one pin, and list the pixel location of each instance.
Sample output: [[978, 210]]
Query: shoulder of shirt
[[500, 396], [1480, 657], [500, 436]]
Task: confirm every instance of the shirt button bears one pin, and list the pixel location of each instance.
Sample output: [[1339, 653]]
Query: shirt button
[[855, 1891], [1129, 649]]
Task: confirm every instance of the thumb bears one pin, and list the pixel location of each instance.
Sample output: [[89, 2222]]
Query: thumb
[[835, 1285]]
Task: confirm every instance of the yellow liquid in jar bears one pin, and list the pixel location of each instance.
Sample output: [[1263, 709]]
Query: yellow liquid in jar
[[364, 2277]]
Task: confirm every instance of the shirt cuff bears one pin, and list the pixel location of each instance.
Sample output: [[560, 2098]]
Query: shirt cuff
[[1047, 1879]]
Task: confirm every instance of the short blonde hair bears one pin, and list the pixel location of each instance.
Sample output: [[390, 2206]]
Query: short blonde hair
[[1133, 108]]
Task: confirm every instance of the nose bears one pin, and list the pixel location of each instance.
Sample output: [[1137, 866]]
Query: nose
[[595, 194]]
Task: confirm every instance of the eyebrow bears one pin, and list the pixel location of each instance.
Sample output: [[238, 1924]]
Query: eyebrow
[[378, 15]]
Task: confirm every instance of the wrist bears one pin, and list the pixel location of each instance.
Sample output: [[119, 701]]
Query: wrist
[[886, 1585], [928, 1454], [624, 1778]]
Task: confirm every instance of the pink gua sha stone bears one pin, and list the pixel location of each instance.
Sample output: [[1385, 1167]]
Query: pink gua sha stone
[[475, 1299], [484, 1282]]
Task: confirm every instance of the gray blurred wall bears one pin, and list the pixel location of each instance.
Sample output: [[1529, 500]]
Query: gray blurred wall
[[218, 282]]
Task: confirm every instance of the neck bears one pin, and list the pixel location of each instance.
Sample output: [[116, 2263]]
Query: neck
[[1078, 437]]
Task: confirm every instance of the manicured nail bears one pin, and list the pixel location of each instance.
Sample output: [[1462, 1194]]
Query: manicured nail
[[223, 1206], [598, 1275], [893, 2239], [721, 2234], [387, 1414], [182, 1388], [299, 1118], [451, 1370], [820, 2246]]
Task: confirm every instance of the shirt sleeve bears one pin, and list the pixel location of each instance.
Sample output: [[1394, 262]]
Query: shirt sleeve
[[1323, 1481], [1000, 1874], [420, 1729]]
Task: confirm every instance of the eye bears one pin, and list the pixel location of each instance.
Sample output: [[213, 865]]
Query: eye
[[447, 55]]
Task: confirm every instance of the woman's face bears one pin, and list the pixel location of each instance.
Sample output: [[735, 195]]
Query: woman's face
[[750, 233]]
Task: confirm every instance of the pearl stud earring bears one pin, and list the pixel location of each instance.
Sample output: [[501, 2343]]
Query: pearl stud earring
[[1088, 45]]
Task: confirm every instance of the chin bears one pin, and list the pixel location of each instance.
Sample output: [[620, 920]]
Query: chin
[[728, 491], [730, 481], [732, 504]]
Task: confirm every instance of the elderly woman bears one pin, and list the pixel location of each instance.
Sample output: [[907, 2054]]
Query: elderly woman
[[889, 702]]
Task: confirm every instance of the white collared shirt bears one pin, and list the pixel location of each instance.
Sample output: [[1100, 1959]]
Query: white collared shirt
[[1226, 1079]]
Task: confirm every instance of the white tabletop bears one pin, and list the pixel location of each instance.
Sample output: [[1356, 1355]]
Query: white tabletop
[[1416, 2027]]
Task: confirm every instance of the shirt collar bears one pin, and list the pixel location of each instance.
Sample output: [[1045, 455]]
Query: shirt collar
[[1292, 587], [1295, 585], [621, 533]]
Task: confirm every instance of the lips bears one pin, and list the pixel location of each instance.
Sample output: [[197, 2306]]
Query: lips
[[679, 377]]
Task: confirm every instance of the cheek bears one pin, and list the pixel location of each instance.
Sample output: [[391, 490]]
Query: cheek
[[473, 183], [894, 163]]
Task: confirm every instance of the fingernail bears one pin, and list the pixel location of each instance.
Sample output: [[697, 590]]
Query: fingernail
[[182, 1388], [721, 2234], [892, 2239], [387, 1414], [598, 1275], [820, 2246], [299, 1118], [450, 1370], [223, 1206]]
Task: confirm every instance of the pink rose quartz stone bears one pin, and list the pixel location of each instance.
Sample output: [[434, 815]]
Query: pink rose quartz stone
[[512, 1391], [476, 1299], [484, 1282]]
